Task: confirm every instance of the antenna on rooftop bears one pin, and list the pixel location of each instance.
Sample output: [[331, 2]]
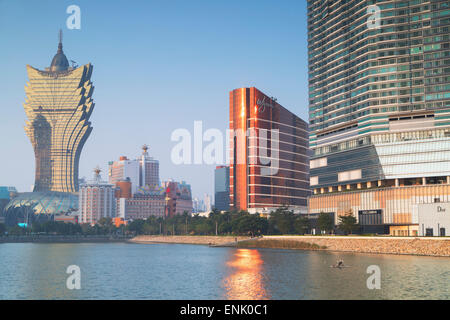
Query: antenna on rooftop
[[60, 41]]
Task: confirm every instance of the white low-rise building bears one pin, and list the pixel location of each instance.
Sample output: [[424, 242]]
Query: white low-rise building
[[434, 219]]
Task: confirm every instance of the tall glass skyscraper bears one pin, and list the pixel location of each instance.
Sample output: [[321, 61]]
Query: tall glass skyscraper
[[379, 108], [58, 106], [222, 188]]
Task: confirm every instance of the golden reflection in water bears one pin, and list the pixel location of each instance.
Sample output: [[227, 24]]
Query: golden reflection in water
[[246, 280]]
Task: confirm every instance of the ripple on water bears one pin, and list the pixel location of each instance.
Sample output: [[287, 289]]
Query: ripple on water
[[168, 271]]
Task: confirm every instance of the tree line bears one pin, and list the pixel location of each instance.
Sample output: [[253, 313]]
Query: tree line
[[281, 221]]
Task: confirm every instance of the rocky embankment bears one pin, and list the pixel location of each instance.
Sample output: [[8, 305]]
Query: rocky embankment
[[439, 247], [205, 240], [386, 245]]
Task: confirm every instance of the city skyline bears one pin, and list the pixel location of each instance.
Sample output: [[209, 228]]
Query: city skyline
[[238, 153], [153, 62]]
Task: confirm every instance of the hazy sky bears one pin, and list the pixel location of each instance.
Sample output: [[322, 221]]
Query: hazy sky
[[158, 66]]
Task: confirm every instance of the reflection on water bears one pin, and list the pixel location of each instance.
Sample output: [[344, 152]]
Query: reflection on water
[[147, 271], [246, 281]]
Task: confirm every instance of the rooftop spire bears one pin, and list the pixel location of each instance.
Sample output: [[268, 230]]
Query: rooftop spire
[[59, 62], [60, 42]]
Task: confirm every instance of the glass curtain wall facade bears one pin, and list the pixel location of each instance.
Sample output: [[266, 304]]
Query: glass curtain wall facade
[[48, 203], [222, 188], [379, 97], [58, 106], [269, 165]]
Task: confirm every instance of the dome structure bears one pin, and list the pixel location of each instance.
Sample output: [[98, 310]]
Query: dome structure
[[48, 202], [59, 61]]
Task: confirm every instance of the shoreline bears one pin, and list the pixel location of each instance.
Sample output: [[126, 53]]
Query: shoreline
[[434, 247], [423, 246], [61, 239], [228, 241]]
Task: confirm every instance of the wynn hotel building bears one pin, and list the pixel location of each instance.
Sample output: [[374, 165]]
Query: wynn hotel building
[[269, 165], [379, 110]]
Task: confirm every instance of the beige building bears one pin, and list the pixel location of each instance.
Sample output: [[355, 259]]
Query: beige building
[[96, 200], [141, 207]]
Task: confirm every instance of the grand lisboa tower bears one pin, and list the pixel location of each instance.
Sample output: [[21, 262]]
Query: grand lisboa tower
[[58, 107]]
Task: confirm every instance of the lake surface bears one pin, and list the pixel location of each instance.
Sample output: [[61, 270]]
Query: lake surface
[[172, 271]]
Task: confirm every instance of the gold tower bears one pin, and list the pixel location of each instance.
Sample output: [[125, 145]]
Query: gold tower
[[58, 106]]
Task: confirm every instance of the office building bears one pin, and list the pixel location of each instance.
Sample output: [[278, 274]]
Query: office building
[[379, 110], [6, 194], [149, 169], [222, 188], [141, 172], [146, 202], [197, 205], [208, 202], [178, 198], [125, 170], [123, 189], [269, 165]]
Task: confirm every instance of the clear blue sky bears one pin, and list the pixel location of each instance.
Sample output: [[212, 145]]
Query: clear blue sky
[[158, 66]]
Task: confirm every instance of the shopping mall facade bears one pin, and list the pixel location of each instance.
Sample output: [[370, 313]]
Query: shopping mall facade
[[379, 110]]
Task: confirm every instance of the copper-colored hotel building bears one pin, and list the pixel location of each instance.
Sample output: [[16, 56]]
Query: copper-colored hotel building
[[283, 154]]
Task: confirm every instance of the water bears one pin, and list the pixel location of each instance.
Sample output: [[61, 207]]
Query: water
[[171, 271]]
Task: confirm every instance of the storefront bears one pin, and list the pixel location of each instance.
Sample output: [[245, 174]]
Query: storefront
[[434, 219]]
